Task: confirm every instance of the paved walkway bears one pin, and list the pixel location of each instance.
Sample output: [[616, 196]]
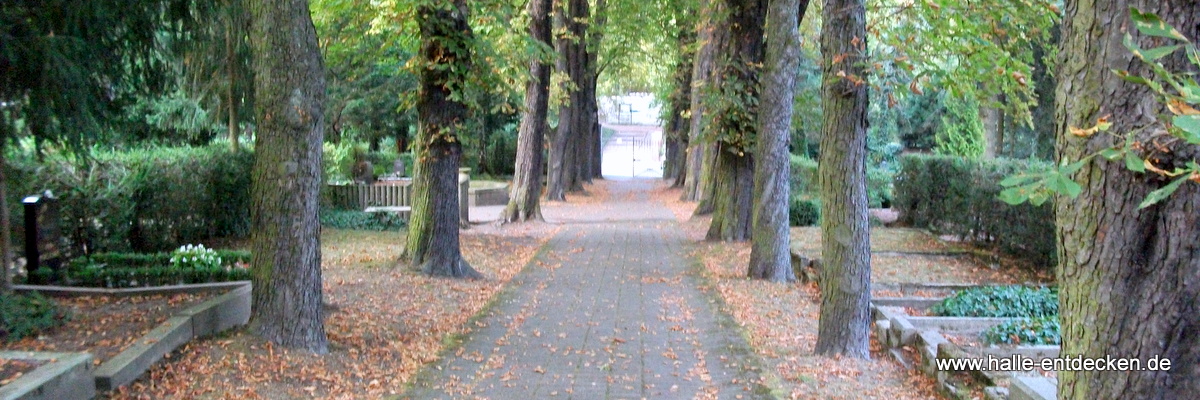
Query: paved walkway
[[609, 310]]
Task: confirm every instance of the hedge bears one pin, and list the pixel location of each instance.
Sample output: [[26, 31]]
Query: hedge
[[145, 200], [956, 196], [804, 182], [24, 315]]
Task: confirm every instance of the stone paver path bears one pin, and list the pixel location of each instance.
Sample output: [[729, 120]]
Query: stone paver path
[[610, 309]]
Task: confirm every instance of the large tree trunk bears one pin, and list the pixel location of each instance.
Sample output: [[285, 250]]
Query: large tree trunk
[[285, 234], [433, 242], [1129, 279], [524, 200], [733, 172], [844, 326], [734, 195], [770, 250]]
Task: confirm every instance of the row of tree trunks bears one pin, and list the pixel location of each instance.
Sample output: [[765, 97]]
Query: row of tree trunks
[[844, 325], [570, 16], [733, 166], [1129, 278], [525, 197], [712, 31], [676, 130], [770, 255], [289, 81], [433, 230]]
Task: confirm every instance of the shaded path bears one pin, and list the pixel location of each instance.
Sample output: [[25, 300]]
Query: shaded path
[[609, 309]]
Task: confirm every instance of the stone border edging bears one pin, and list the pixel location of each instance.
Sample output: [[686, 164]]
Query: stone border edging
[[204, 319], [66, 376], [73, 291]]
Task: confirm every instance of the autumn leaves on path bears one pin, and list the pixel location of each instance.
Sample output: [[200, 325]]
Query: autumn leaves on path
[[609, 309]]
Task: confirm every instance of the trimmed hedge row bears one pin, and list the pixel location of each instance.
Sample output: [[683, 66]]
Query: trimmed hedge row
[[140, 200], [123, 270], [956, 196], [805, 190]]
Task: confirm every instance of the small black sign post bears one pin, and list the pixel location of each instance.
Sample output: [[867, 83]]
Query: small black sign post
[[42, 241]]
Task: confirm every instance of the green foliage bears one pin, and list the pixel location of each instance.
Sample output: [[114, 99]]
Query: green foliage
[[804, 181], [1000, 301], [961, 132], [68, 65], [972, 50], [24, 315], [952, 195], [361, 220], [1177, 91], [803, 175], [147, 199], [1026, 331], [804, 211]]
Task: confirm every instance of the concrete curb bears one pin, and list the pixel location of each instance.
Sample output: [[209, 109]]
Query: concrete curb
[[67, 376], [70, 291], [205, 319]]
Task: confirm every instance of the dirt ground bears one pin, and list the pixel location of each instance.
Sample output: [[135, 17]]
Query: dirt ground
[[105, 326]]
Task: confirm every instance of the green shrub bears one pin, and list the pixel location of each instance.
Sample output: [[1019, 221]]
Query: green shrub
[[361, 220], [1026, 331], [1000, 301], [804, 181], [804, 175], [150, 199], [956, 196], [879, 187], [804, 211], [23, 315], [150, 260]]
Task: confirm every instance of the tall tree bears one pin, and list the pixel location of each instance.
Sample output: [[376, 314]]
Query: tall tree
[[770, 256], [734, 120], [289, 80], [844, 326], [1129, 277], [446, 42], [524, 199], [66, 65]]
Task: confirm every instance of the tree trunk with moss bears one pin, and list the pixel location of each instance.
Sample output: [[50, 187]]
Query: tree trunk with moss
[[433, 240], [524, 202], [844, 325], [735, 124], [770, 250], [1129, 279], [289, 82]]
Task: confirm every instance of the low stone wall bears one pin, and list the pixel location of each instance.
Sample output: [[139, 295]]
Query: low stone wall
[[213, 316], [65, 376], [487, 193], [204, 319]]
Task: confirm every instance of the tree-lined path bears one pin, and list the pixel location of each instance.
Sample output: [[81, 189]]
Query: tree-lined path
[[611, 308]]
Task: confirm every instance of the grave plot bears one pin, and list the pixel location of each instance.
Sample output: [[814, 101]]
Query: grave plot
[[977, 337]]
